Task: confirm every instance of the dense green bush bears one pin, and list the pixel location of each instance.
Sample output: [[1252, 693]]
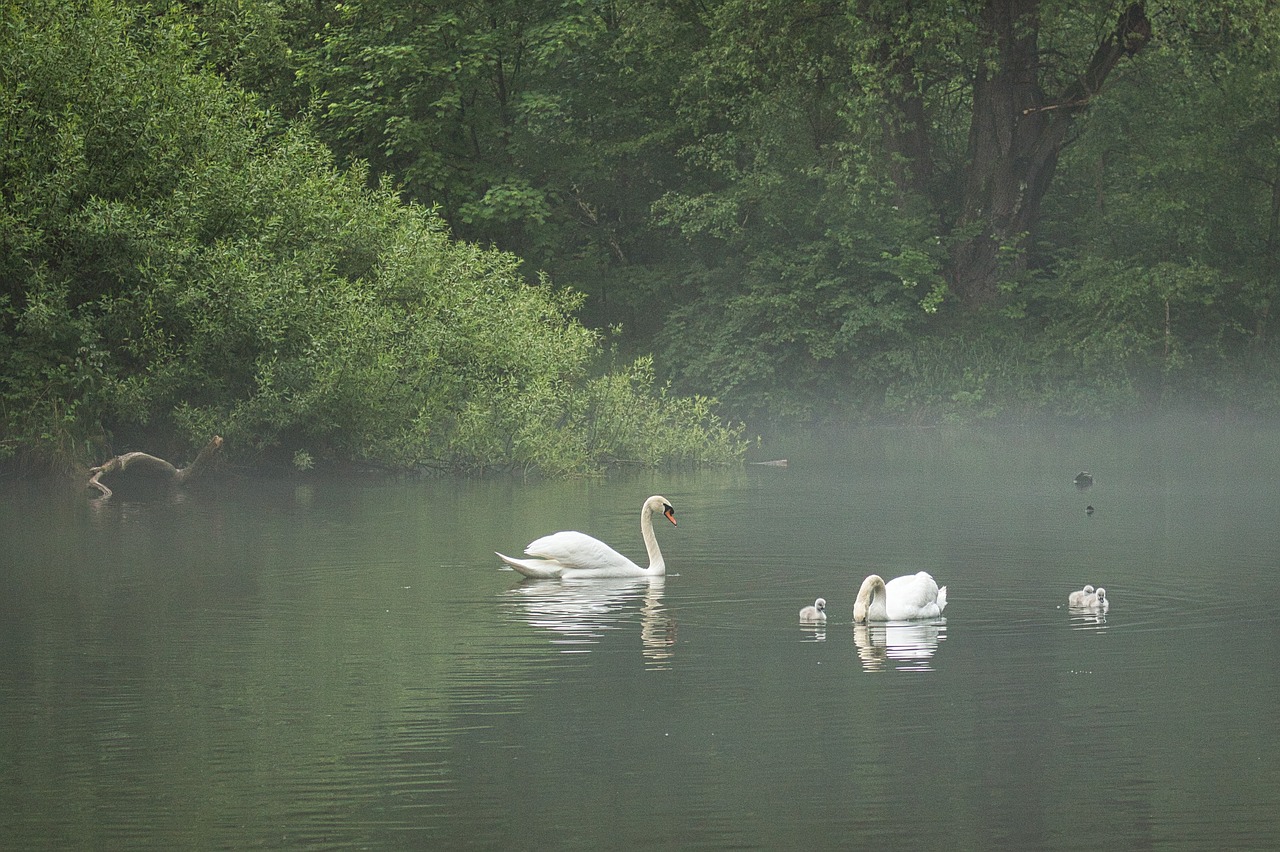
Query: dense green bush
[[177, 263]]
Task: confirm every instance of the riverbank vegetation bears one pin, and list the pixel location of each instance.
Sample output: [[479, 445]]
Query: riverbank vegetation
[[499, 233], [179, 263]]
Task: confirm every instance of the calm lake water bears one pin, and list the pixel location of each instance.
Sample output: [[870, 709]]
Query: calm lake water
[[322, 664]]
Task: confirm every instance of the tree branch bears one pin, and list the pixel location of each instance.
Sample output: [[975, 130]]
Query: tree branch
[[157, 467]]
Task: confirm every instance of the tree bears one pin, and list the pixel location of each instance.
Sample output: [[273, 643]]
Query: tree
[[789, 196], [1017, 133], [1165, 251], [538, 127], [176, 262]]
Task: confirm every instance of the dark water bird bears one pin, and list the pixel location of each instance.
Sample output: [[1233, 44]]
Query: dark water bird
[[1088, 510], [1083, 479]]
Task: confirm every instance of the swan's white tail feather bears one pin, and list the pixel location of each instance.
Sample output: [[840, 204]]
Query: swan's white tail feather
[[536, 568], [942, 598]]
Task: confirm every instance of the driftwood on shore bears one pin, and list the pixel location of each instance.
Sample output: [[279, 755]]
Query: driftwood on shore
[[153, 466]]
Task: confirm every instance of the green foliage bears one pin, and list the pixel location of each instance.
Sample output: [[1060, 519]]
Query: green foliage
[[1173, 244], [630, 418], [1001, 369], [178, 264], [806, 276], [537, 127], [773, 197]]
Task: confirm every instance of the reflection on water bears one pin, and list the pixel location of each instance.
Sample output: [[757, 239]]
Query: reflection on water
[[1087, 618], [657, 628], [580, 612], [901, 645], [814, 632]]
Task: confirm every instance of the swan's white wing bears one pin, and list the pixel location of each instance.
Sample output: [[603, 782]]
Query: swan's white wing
[[539, 568], [579, 551], [914, 596], [913, 589]]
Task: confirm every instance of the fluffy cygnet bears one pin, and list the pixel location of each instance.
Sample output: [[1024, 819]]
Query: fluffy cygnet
[[816, 612], [1078, 598]]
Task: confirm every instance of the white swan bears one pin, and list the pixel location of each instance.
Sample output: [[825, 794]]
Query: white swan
[[817, 612], [901, 599], [574, 555], [1098, 600], [1078, 598]]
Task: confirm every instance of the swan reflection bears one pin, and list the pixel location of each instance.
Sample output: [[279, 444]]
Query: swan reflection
[[900, 645], [580, 612]]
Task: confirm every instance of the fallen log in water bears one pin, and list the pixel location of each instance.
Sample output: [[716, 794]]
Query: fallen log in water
[[153, 466]]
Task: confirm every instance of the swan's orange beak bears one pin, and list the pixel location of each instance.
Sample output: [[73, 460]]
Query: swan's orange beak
[[670, 514]]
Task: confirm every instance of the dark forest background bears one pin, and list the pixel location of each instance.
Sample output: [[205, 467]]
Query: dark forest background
[[555, 235]]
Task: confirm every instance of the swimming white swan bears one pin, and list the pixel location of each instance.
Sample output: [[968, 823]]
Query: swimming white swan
[[817, 612], [1078, 598], [901, 599], [1098, 600], [574, 555]]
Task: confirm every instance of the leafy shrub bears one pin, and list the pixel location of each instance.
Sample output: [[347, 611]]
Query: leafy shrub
[[177, 263]]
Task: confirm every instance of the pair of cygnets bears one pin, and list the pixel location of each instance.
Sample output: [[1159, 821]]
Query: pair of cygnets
[[1090, 598], [905, 598]]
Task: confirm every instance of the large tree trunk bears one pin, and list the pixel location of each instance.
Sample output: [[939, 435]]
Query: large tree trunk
[[1016, 134]]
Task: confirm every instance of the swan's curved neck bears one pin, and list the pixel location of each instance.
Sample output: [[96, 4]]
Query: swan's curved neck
[[879, 599], [872, 601], [656, 563]]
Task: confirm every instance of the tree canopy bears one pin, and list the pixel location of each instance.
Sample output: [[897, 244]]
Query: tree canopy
[[177, 263], [453, 232], [806, 206]]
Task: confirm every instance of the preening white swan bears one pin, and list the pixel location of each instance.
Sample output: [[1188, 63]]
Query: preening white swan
[[1078, 598], [901, 599], [574, 555], [817, 612]]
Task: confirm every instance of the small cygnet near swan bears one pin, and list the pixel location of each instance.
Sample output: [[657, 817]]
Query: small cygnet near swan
[[1098, 600], [817, 612], [901, 599], [574, 555], [1077, 598]]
